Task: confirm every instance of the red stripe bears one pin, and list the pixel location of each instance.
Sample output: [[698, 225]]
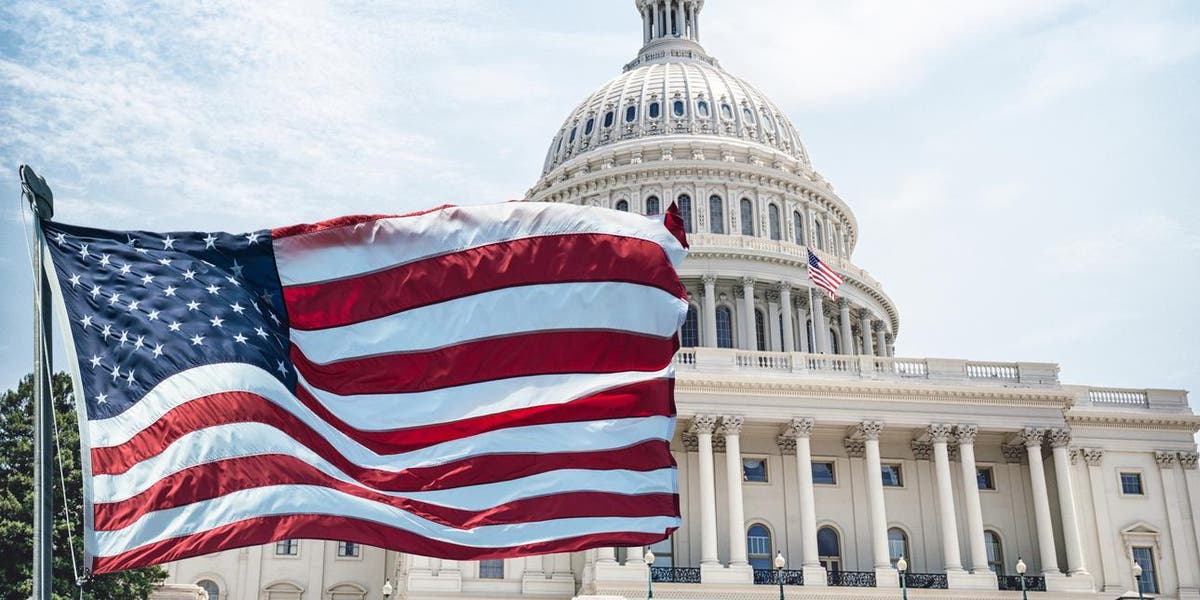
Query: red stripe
[[538, 353], [346, 221], [565, 258], [217, 479], [641, 399], [673, 220], [253, 532]]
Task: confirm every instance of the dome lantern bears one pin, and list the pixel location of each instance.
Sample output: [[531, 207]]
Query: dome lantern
[[670, 20]]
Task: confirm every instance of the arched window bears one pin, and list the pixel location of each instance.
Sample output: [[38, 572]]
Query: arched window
[[995, 553], [829, 549], [608, 119], [677, 108], [724, 327], [798, 224], [491, 569], [654, 110], [702, 108], [684, 202], [773, 222], [623, 205], [689, 334], [833, 342], [760, 330], [747, 217], [652, 207], [758, 547], [818, 235], [210, 587], [630, 113], [716, 214], [587, 128], [897, 544]]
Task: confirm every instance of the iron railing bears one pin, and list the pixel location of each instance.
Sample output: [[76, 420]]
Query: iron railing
[[926, 581], [1033, 583], [771, 577], [851, 578], [675, 574]]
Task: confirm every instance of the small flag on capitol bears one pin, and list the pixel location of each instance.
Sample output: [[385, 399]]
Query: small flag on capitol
[[466, 383], [820, 274]]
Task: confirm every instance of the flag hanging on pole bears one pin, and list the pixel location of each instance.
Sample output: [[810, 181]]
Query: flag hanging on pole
[[822, 275], [466, 383]]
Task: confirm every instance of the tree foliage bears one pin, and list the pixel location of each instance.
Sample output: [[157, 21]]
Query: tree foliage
[[16, 505]]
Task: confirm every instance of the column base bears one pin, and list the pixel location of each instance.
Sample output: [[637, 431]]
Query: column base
[[730, 574], [815, 576], [1058, 582], [981, 579], [614, 572], [537, 584], [1189, 593], [887, 577]]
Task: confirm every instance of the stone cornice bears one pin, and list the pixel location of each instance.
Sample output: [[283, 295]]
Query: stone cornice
[[1126, 419], [873, 390]]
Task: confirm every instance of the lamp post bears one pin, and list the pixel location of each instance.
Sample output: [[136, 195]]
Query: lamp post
[[780, 562], [387, 589], [649, 558], [1137, 576], [1021, 575], [902, 566]]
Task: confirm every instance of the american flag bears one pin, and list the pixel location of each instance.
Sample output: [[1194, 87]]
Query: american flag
[[822, 275], [465, 383]]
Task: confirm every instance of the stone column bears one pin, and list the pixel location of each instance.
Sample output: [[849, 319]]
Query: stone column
[[645, 26], [679, 19], [880, 339], [1032, 439], [731, 426], [939, 436], [844, 321], [606, 555], [885, 575], [818, 322], [785, 302], [803, 317], [1179, 545], [800, 430], [978, 549], [703, 426], [1108, 558], [710, 309], [749, 339], [865, 325], [891, 344], [1191, 479], [1059, 440]]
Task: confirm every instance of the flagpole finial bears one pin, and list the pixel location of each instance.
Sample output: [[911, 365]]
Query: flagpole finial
[[37, 192]]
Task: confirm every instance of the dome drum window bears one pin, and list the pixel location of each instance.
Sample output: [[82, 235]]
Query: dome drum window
[[652, 206], [654, 110]]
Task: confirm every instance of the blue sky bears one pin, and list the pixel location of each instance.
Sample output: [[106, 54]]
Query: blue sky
[[1024, 173]]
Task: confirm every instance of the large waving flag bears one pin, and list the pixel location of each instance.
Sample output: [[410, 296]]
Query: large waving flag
[[820, 274], [466, 383]]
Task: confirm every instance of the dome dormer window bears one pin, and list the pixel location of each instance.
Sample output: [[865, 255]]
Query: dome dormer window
[[631, 113], [678, 108], [608, 119], [748, 115], [571, 138], [654, 110], [726, 112], [702, 109], [768, 123], [587, 128]]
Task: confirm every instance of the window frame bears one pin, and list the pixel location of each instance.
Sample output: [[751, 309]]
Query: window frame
[[717, 221], [702, 109], [1152, 569], [899, 471], [1141, 476], [679, 108], [906, 551], [221, 591], [480, 569], [610, 118], [999, 561], [684, 203], [746, 223], [992, 477], [774, 222], [652, 108], [766, 462], [693, 317], [294, 543], [348, 545], [770, 541], [726, 309], [833, 470], [826, 559], [619, 203], [657, 205], [798, 227], [631, 113], [761, 341]]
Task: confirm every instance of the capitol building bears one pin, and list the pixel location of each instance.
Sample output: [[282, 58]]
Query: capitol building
[[802, 436]]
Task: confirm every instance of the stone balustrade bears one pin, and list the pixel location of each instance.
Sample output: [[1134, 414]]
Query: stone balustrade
[[1125, 398], [704, 241]]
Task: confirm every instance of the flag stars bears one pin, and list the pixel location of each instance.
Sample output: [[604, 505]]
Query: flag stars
[[130, 240], [158, 350], [74, 279], [129, 380], [106, 332], [104, 260], [125, 268], [60, 238], [139, 342], [193, 305], [95, 292], [85, 321], [101, 398], [197, 340], [237, 268], [95, 360], [189, 275], [213, 289], [231, 279], [174, 326], [282, 368], [239, 338], [152, 315], [115, 298], [252, 238], [166, 262], [124, 337], [169, 290], [83, 251], [275, 319], [260, 332], [210, 241], [168, 243], [216, 321], [237, 307], [133, 305], [116, 373], [141, 250], [147, 279]]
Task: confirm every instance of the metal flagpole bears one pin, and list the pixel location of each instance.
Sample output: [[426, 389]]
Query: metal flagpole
[[41, 201]]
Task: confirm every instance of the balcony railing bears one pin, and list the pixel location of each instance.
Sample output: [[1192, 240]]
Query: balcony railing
[[851, 578], [675, 574], [771, 577], [1121, 398], [1013, 582], [926, 581]]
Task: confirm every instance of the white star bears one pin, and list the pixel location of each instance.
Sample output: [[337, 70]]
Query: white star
[[237, 269], [209, 241], [107, 331], [61, 238], [95, 291], [170, 290], [153, 316], [239, 338], [139, 342], [213, 289], [124, 337], [251, 238], [197, 340], [274, 318], [129, 240], [260, 332], [164, 261], [133, 305], [237, 307], [147, 279], [168, 243], [189, 274], [141, 250], [104, 261], [102, 399], [281, 368], [116, 372], [115, 298], [83, 251], [125, 268], [174, 326], [130, 380], [95, 360], [231, 279], [86, 321], [193, 305], [74, 279], [158, 350], [216, 321]]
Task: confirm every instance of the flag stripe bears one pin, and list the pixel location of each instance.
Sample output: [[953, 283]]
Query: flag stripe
[[521, 262], [538, 353]]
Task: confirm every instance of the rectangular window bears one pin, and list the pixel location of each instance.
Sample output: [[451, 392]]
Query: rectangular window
[[893, 476], [287, 548], [1131, 484], [664, 555], [348, 549], [491, 569], [1144, 556], [754, 469], [823, 472], [985, 479]]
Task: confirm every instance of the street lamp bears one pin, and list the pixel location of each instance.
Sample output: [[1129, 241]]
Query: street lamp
[[387, 589], [902, 566], [780, 562], [1021, 575], [1137, 576], [649, 558]]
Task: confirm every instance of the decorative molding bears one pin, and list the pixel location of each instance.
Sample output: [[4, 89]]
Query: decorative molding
[[966, 434], [922, 450], [708, 278], [748, 282], [1164, 458], [870, 430], [787, 444], [732, 424], [1189, 460], [1032, 437], [1059, 437], [855, 448], [772, 296], [785, 286], [1092, 456], [802, 388], [1013, 454], [940, 433], [799, 427], [691, 443], [704, 424]]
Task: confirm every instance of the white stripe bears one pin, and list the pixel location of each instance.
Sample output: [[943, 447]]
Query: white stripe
[[606, 305], [621, 481], [377, 412], [315, 500], [367, 247], [366, 412], [253, 439]]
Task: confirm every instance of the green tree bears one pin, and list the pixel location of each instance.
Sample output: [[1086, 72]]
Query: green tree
[[16, 505]]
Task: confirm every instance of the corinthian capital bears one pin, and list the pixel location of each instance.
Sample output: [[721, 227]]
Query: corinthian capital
[[1059, 438], [708, 279], [1031, 437], [1093, 456], [940, 433], [787, 444], [704, 423], [690, 442], [732, 424], [1189, 460], [966, 434], [870, 430], [785, 287], [1164, 458], [798, 427], [748, 281]]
